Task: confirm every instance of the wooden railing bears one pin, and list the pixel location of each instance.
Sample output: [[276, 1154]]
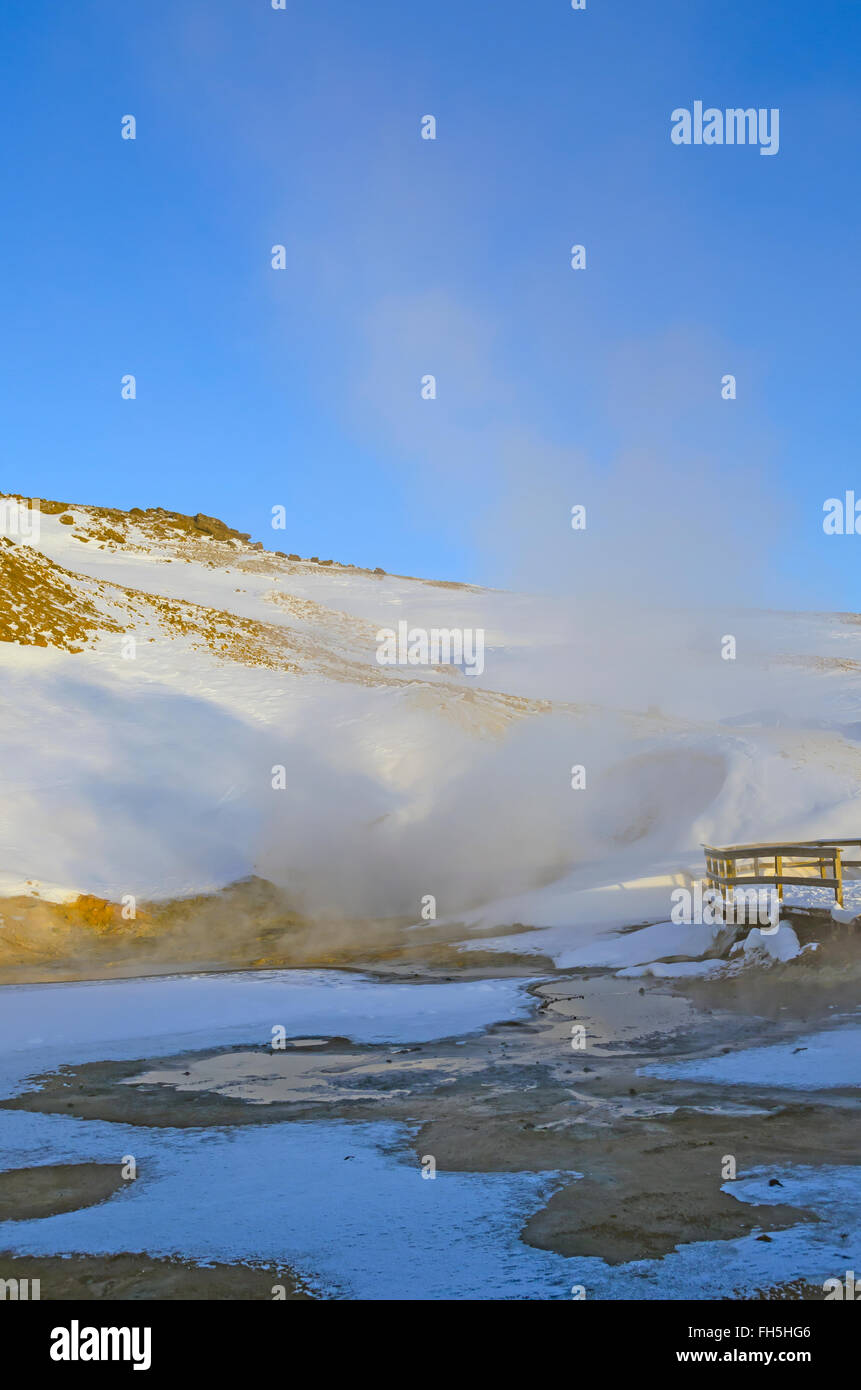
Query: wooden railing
[[728, 868]]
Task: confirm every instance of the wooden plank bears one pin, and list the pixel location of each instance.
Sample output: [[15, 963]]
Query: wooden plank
[[769, 879], [759, 851], [774, 844], [835, 841], [728, 868]]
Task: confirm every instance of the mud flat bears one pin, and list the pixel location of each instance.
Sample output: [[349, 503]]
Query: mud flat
[[127, 1277], [603, 1158], [53, 1188]]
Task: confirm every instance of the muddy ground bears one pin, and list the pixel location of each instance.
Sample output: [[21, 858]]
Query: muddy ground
[[128, 1277], [518, 1096]]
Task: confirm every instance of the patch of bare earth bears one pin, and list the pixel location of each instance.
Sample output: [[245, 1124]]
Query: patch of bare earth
[[43, 605], [54, 1188], [133, 1277]]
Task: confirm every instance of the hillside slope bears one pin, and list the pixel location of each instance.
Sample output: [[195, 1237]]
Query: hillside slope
[[182, 709]]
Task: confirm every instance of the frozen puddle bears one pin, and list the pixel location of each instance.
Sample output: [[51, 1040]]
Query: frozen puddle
[[344, 1204], [331, 1200], [345, 1207], [819, 1062], [42, 1026]]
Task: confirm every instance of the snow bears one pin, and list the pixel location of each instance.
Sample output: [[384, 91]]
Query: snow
[[152, 777], [606, 951], [370, 1228], [844, 915], [781, 945], [674, 970], [816, 1062], [345, 1205], [44, 1025]]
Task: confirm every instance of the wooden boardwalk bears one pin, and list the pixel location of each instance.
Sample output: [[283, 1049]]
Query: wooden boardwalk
[[805, 864]]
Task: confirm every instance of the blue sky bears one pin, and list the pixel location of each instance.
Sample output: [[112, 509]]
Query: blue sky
[[404, 257]]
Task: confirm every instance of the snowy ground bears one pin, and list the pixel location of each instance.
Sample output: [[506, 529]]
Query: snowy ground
[[153, 776], [41, 1024], [817, 1062], [345, 1205]]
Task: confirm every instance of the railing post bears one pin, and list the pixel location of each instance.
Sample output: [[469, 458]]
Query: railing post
[[838, 875], [778, 873]]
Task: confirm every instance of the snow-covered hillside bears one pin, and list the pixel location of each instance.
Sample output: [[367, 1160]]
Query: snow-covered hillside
[[147, 768]]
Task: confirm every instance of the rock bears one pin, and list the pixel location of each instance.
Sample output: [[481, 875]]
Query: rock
[[294, 557], [67, 520], [211, 526], [379, 571]]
